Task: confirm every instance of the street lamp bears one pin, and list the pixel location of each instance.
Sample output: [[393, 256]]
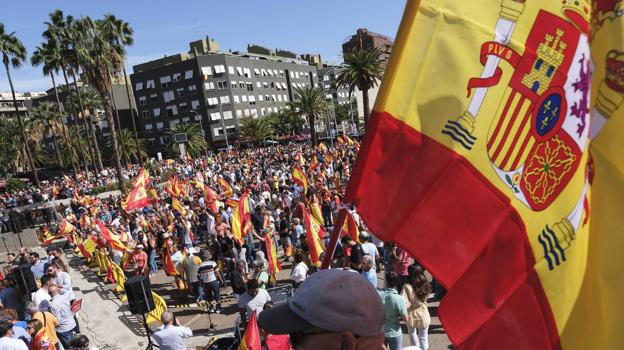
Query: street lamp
[[227, 145], [201, 126]]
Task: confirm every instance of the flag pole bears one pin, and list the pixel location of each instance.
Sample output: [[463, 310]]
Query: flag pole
[[333, 240]]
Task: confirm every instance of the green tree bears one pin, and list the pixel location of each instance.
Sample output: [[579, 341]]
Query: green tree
[[362, 69], [48, 115], [50, 57], [126, 141], [119, 33], [98, 57], [14, 53], [195, 140], [286, 122], [10, 144], [309, 102], [255, 129]]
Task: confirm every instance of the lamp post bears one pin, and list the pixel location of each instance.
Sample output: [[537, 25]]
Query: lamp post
[[351, 112], [201, 126]]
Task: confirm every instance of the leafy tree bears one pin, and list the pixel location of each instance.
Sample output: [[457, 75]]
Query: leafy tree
[[362, 69], [126, 140], [47, 114], [255, 129], [309, 102], [14, 53], [195, 140]]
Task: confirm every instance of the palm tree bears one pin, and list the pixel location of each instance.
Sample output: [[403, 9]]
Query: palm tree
[[256, 129], [285, 122], [195, 140], [119, 33], [50, 57], [126, 141], [56, 35], [14, 52], [309, 102], [363, 69], [98, 57], [48, 115]]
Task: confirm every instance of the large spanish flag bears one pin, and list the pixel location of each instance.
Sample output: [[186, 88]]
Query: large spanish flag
[[241, 218], [475, 161], [142, 179], [251, 338], [299, 177], [314, 235], [136, 199]]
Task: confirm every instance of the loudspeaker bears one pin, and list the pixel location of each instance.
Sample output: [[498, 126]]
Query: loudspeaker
[[25, 279], [139, 292]]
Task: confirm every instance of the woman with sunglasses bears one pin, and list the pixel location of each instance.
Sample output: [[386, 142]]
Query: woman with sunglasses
[[40, 338]]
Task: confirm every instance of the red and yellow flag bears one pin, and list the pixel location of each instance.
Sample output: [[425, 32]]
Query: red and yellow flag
[[251, 338], [137, 199], [178, 206], [314, 163], [241, 219], [475, 161], [274, 265], [225, 187], [87, 247], [64, 229], [300, 178], [350, 227], [174, 187], [110, 237], [314, 236], [168, 265], [142, 179]]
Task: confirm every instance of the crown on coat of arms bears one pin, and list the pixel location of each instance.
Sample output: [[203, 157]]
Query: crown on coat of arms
[[578, 12], [615, 70]]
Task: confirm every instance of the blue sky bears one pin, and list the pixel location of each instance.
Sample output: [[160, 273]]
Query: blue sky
[[166, 27]]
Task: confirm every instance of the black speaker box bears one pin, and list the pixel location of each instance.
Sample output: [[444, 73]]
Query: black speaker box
[[25, 279], [139, 292]]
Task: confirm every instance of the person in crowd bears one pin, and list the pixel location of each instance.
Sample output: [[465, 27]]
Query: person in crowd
[[19, 327], [12, 259], [191, 269], [171, 335], [38, 266], [24, 256], [40, 339], [61, 278], [332, 309], [41, 298], [368, 270], [253, 300], [415, 293], [80, 342], [212, 280], [239, 280], [57, 255], [400, 260], [368, 248], [261, 266], [300, 272], [9, 298], [48, 321], [151, 248], [7, 342], [60, 307], [394, 312], [139, 258]]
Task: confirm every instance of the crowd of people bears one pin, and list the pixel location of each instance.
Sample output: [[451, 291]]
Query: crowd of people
[[191, 236]]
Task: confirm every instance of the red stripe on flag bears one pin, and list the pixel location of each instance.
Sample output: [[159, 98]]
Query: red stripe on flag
[[524, 123], [501, 120], [508, 129], [524, 145], [462, 229]]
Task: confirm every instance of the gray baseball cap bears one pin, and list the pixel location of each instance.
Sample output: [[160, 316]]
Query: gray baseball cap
[[334, 300]]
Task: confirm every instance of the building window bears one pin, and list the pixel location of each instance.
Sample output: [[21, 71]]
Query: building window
[[164, 140], [256, 71], [246, 113], [173, 124], [153, 97], [225, 100], [254, 113], [233, 84], [247, 72], [172, 110], [184, 107], [146, 114], [260, 98], [231, 70], [198, 117], [279, 98], [206, 72], [159, 125], [239, 113], [259, 84], [156, 112], [250, 87], [139, 86], [265, 85], [195, 104], [220, 69], [168, 96], [188, 74], [227, 115], [192, 89], [244, 98], [180, 91], [241, 84], [186, 120], [236, 99], [218, 131], [262, 111], [148, 127], [165, 81], [151, 141], [212, 101], [177, 77], [239, 70], [142, 100], [209, 86], [215, 116], [222, 85], [150, 84]]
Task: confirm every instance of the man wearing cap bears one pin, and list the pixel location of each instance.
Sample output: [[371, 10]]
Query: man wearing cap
[[333, 309]]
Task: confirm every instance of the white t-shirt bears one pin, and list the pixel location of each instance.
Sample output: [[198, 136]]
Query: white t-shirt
[[39, 296], [7, 343], [207, 271], [299, 273], [370, 249], [256, 303]]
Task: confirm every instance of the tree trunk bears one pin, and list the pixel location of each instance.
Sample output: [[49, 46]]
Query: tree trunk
[[59, 157], [87, 119], [116, 161], [311, 121], [365, 102], [72, 160], [71, 111], [33, 169], [133, 116]]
